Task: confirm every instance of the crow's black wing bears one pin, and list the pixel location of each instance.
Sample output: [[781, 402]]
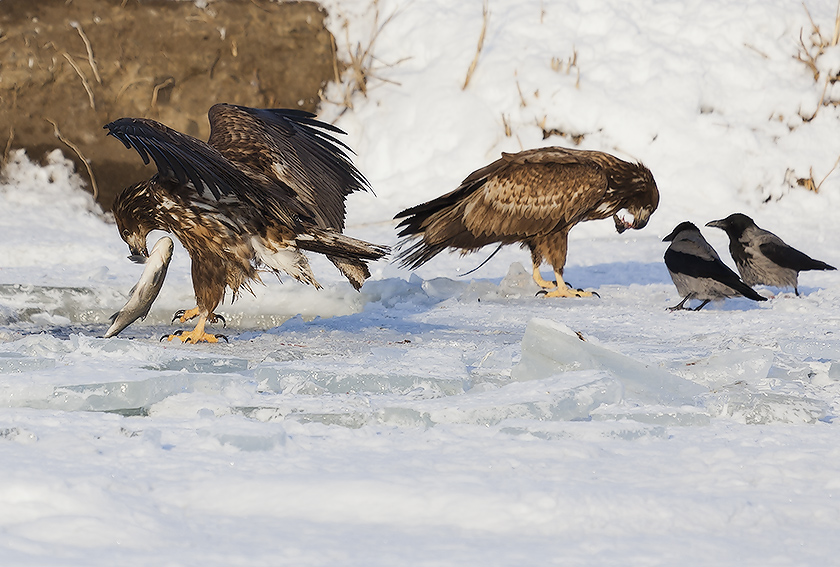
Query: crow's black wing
[[178, 156], [291, 147], [694, 266], [791, 258]]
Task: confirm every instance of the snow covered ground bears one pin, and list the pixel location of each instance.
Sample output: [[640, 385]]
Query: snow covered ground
[[434, 419]]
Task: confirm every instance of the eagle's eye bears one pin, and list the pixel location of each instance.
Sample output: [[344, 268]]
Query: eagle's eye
[[125, 233]]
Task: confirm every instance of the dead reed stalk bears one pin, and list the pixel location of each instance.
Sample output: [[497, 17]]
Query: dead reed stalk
[[78, 152], [82, 77], [360, 67], [485, 17]]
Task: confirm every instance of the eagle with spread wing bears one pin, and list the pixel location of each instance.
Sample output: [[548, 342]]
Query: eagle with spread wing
[[267, 185], [533, 198]]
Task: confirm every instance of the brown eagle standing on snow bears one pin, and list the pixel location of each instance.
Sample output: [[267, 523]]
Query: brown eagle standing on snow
[[534, 198], [268, 184]]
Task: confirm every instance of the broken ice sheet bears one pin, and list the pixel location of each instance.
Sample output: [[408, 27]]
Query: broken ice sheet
[[568, 396], [726, 367], [405, 371], [208, 365], [750, 405], [244, 435], [550, 348], [116, 396], [13, 363], [589, 431]]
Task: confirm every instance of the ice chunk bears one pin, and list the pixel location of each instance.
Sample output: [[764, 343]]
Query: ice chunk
[[834, 371], [46, 305], [221, 365], [569, 396], [127, 396], [314, 381], [683, 416], [245, 436], [748, 364], [443, 288], [383, 370], [119, 395], [589, 431], [518, 282], [752, 406], [493, 366], [13, 363], [550, 348]]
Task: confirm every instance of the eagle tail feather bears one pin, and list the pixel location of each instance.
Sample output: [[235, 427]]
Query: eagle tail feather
[[356, 272], [335, 244]]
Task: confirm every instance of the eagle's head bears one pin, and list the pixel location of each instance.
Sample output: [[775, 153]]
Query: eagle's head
[[641, 200], [135, 211]]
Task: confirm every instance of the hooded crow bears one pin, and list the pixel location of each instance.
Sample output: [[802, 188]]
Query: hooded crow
[[762, 257], [698, 271]]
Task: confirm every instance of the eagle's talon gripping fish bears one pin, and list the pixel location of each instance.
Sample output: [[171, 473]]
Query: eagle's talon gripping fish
[[144, 293]]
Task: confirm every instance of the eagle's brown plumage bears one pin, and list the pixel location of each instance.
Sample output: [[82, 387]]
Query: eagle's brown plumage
[[533, 198], [266, 185]]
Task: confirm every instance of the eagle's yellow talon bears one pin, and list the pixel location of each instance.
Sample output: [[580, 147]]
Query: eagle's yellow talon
[[194, 338], [182, 315], [566, 292]]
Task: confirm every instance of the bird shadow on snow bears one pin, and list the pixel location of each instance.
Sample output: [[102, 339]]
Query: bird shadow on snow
[[617, 273], [357, 323]]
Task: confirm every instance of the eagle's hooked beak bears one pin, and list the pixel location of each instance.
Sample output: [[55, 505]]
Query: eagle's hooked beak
[[638, 220], [137, 247]]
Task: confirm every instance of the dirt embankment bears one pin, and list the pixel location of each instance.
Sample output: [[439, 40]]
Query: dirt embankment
[[71, 67]]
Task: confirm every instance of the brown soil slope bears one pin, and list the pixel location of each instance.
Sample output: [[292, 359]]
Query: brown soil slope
[[80, 64]]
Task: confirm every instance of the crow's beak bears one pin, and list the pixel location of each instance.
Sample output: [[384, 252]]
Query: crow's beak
[[670, 237], [717, 224]]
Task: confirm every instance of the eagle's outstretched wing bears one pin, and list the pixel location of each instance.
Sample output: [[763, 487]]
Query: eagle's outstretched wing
[[293, 148], [178, 156], [190, 161]]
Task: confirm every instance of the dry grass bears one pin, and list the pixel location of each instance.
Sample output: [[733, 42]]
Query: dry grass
[[565, 66], [485, 17], [75, 148], [810, 51], [547, 132], [506, 123], [810, 183], [89, 49], [8, 147], [360, 69], [85, 83]]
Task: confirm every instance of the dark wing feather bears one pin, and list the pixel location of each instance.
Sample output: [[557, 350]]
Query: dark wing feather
[[291, 147], [696, 267], [791, 258], [178, 156]]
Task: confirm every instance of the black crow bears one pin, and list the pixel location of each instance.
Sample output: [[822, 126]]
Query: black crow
[[698, 271], [762, 257]]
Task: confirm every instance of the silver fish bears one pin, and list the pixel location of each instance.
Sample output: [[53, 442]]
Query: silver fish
[[144, 293]]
